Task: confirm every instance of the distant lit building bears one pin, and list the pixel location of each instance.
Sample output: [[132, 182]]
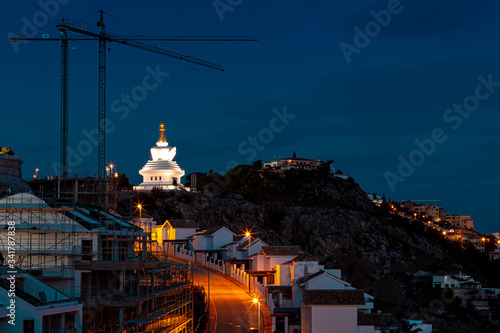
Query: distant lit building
[[295, 162], [161, 171], [272, 164]]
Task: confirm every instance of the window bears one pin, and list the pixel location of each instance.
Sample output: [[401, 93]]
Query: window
[[156, 178], [28, 325], [160, 177], [174, 181], [86, 249], [151, 178]]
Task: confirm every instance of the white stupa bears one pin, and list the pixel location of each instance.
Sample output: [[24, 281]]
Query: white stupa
[[161, 171]]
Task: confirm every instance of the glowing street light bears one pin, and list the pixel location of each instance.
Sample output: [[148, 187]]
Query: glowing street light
[[256, 300], [36, 173], [139, 206], [249, 245]]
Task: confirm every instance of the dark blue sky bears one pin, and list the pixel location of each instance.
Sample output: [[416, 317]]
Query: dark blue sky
[[363, 111]]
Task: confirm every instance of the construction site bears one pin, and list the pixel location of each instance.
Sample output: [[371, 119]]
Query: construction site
[[101, 260]]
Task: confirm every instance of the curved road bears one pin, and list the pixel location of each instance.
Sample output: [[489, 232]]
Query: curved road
[[234, 310]]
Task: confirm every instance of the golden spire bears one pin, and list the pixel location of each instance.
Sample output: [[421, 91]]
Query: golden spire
[[162, 133]]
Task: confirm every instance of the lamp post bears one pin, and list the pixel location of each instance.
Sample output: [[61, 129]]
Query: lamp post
[[140, 212], [256, 300], [249, 245], [484, 244], [36, 173]]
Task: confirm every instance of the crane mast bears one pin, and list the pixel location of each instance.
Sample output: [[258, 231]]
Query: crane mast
[[64, 26]]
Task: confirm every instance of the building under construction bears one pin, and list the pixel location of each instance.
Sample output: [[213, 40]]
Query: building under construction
[[99, 259]]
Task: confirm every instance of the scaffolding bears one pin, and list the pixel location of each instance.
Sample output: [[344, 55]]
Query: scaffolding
[[100, 259]]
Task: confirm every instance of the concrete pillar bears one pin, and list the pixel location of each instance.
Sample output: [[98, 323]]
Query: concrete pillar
[[62, 322], [280, 300], [286, 324], [76, 189], [274, 323], [120, 315]]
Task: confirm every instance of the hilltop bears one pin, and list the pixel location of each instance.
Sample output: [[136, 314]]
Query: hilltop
[[333, 219]]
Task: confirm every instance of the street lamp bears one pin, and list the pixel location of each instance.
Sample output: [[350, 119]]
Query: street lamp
[[36, 173], [256, 300], [140, 212], [249, 245]]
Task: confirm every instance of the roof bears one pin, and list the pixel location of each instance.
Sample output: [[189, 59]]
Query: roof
[[245, 244], [213, 230], [183, 224], [375, 319], [281, 250], [309, 277], [226, 245], [15, 184], [334, 297], [304, 256], [444, 273]]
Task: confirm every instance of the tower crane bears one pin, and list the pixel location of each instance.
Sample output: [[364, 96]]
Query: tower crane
[[64, 26]]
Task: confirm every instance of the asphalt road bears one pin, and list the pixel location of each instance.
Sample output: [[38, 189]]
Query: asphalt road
[[234, 310]]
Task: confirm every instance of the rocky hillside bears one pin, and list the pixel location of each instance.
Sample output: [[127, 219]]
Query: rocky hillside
[[333, 219]]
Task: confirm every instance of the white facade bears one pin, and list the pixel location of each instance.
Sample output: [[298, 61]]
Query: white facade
[[161, 171], [212, 240], [37, 308], [239, 249], [334, 319]]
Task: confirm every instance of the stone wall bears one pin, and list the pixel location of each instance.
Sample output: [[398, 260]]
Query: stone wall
[[10, 165]]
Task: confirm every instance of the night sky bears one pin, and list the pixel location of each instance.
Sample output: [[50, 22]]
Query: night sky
[[402, 95]]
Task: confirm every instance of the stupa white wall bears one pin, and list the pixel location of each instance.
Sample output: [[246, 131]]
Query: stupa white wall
[[161, 171]]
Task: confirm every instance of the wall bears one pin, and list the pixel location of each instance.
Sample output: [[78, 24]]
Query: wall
[[334, 319], [222, 237], [10, 165]]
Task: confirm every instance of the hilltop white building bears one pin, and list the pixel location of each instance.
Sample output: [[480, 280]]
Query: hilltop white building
[[161, 171]]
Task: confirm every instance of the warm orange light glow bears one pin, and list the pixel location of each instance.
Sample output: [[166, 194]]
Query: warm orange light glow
[[498, 242], [255, 300], [444, 232], [116, 174], [483, 239], [139, 206], [247, 234], [37, 169]]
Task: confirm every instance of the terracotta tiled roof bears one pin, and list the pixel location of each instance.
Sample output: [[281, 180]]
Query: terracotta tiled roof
[[183, 224], [211, 231], [309, 277], [304, 256], [245, 244], [375, 319], [334, 297], [226, 245], [281, 250]]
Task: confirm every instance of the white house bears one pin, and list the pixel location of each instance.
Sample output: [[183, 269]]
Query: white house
[[239, 249], [170, 232], [37, 307], [331, 310], [454, 280], [211, 239]]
